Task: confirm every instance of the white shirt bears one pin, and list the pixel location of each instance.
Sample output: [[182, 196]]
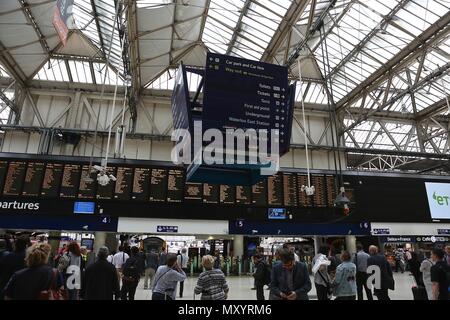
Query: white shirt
[[296, 257], [110, 258], [119, 259], [183, 262]]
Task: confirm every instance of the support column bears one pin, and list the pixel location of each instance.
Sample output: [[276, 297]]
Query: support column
[[317, 244], [350, 244], [238, 246], [99, 241]]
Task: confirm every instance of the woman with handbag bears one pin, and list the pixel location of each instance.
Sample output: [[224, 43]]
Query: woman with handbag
[[322, 280], [38, 281], [167, 278]]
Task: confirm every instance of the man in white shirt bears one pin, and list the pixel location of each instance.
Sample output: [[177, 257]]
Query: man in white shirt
[[119, 259], [296, 257], [182, 260]]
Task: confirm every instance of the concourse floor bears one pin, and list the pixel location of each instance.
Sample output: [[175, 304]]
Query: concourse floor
[[240, 289]]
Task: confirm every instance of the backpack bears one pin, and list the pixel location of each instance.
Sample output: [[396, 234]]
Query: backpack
[[63, 263], [130, 270]]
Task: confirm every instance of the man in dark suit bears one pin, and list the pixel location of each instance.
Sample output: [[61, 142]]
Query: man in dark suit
[[290, 279], [387, 279], [100, 280]]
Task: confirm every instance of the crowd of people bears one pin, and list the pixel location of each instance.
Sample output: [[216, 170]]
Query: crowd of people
[[28, 273]]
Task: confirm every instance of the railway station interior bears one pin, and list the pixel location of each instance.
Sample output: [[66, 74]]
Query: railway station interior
[[230, 149]]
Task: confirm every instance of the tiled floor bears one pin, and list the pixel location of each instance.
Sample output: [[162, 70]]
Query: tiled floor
[[240, 289]]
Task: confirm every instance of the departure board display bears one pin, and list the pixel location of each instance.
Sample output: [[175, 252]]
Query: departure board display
[[331, 190], [290, 190], [141, 184], [14, 178], [227, 194], [211, 193], [193, 192], [275, 190], [244, 195], [52, 180], [106, 192], [124, 184], [303, 199], [175, 186], [259, 194], [158, 185], [33, 179], [320, 194], [70, 181], [3, 170], [88, 183]]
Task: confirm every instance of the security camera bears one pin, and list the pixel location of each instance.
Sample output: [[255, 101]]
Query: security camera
[[342, 201], [103, 179], [97, 168], [310, 191]]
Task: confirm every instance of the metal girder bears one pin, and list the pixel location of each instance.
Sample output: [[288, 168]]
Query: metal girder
[[205, 16], [432, 110], [11, 104], [368, 37], [423, 42], [97, 24], [237, 29], [316, 27], [435, 74], [290, 19]]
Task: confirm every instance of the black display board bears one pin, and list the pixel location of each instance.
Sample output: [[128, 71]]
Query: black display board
[[290, 190], [88, 183], [193, 192], [259, 194], [33, 177], [275, 190], [141, 184], [175, 186], [211, 193], [14, 178], [107, 192], [52, 180], [158, 185], [70, 181], [227, 194], [124, 183], [244, 195], [3, 170]]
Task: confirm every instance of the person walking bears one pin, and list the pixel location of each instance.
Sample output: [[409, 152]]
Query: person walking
[[13, 261], [425, 268], [28, 283], [344, 284], [399, 260], [261, 275], [131, 274], [289, 279], [387, 279], [414, 267], [447, 255], [100, 281], [440, 274], [322, 280], [211, 284], [182, 260], [119, 260], [162, 257], [167, 278], [360, 260], [71, 262], [151, 265]]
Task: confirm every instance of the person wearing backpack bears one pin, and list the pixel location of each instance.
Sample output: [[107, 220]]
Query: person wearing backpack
[[261, 275], [131, 274], [440, 275]]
